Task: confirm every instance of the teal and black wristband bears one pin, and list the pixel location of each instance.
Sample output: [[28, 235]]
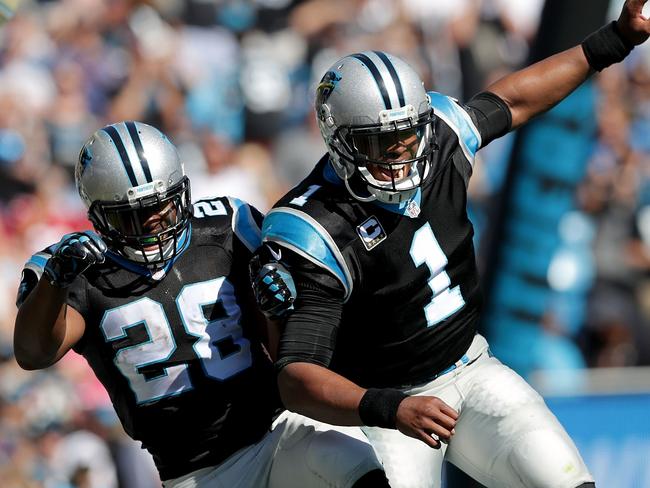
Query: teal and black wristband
[[378, 407], [605, 47]]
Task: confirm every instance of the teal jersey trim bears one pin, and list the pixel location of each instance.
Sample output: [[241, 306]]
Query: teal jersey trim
[[244, 225], [402, 208], [399, 208], [455, 116]]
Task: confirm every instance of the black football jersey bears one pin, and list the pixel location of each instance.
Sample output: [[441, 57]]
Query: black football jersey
[[406, 273], [180, 352]]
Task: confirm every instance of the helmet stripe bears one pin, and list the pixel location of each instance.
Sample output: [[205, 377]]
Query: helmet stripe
[[133, 132], [117, 140], [393, 74], [378, 78]]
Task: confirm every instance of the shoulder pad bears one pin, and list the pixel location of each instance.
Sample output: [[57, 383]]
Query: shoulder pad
[[246, 223], [299, 232], [456, 117], [244, 220]]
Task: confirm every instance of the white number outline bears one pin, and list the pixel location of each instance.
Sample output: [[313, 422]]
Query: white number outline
[[175, 379], [209, 208], [302, 199], [425, 249], [229, 324], [148, 391]]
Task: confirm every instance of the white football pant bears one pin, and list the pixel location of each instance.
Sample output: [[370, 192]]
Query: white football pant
[[505, 437], [298, 453]]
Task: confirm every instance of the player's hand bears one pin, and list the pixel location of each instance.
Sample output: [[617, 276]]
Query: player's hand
[[633, 26], [272, 283], [426, 418], [74, 254]]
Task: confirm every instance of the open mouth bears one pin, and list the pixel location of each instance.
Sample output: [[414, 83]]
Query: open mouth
[[394, 172]]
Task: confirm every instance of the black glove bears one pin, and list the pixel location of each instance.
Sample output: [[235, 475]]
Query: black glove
[[74, 254], [272, 283]]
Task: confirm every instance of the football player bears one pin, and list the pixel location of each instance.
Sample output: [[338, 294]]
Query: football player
[[377, 239], [159, 303]]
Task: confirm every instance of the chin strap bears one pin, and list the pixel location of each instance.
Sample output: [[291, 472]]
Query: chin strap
[[373, 197], [170, 252], [346, 178]]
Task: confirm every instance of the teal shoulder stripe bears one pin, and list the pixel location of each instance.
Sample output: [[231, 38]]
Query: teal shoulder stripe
[[460, 122], [244, 225], [302, 234]]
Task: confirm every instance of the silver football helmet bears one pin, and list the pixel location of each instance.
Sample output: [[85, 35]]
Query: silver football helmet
[[133, 183], [377, 122]]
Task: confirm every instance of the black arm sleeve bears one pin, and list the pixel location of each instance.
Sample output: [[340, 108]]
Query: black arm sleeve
[[491, 116], [310, 331]]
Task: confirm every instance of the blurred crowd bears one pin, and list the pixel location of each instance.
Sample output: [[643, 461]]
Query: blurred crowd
[[231, 83]]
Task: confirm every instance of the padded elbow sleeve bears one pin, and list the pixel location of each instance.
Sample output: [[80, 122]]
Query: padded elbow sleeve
[[491, 115], [310, 332]]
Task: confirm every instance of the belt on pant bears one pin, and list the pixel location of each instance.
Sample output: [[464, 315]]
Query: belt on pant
[[463, 361]]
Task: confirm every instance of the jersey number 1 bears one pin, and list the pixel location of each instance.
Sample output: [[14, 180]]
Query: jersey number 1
[[220, 345], [446, 301]]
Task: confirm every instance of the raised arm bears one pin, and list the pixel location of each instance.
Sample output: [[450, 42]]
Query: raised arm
[[46, 327], [539, 87]]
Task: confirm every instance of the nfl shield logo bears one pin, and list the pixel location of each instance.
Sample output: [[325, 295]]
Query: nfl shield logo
[[371, 233], [413, 209]]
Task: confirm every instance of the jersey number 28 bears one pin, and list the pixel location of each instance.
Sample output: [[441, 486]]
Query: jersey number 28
[[132, 360]]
